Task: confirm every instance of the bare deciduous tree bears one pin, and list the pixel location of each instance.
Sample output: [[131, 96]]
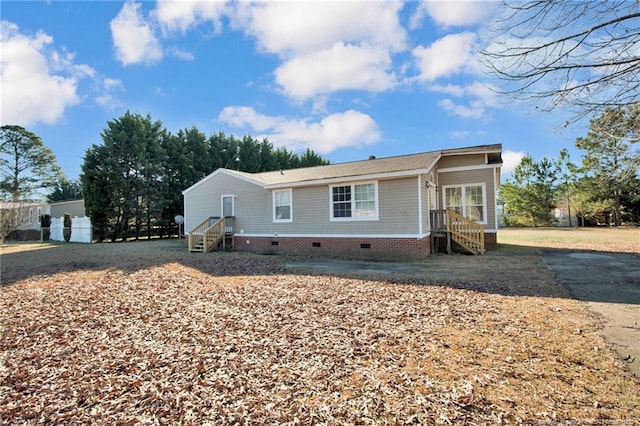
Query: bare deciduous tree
[[582, 54], [13, 216]]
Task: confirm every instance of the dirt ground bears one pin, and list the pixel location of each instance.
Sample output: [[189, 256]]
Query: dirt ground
[[145, 332]]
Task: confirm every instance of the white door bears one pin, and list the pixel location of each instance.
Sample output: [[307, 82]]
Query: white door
[[227, 205]]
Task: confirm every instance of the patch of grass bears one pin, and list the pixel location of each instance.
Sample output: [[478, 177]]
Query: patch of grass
[[597, 239]]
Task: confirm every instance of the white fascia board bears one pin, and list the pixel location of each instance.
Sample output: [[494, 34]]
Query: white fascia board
[[467, 168], [344, 179], [462, 152], [217, 172]]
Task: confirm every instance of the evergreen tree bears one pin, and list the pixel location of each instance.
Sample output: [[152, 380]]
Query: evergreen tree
[[135, 178], [98, 191], [311, 159], [128, 167], [530, 195], [65, 190], [609, 152]]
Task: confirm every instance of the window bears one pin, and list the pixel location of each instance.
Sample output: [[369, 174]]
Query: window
[[282, 205], [468, 201], [354, 202]]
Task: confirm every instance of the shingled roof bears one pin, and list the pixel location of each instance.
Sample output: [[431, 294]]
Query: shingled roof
[[402, 165]]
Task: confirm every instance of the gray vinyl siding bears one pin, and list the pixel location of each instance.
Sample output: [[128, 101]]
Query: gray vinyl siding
[[204, 201], [397, 214], [310, 211], [398, 210], [424, 189], [479, 176], [253, 208], [399, 206], [461, 161], [74, 208]]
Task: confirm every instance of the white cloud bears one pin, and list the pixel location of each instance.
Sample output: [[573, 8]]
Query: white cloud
[[242, 117], [29, 89], [180, 54], [449, 89], [474, 111], [350, 128], [180, 15], [453, 13], [486, 94], [133, 38], [326, 46], [107, 98], [110, 83], [337, 68], [445, 57], [290, 28], [510, 159], [480, 98]]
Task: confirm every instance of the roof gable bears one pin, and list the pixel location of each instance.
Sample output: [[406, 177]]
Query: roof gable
[[247, 177]]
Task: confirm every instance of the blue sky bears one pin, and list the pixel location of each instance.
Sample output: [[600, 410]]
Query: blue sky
[[346, 79]]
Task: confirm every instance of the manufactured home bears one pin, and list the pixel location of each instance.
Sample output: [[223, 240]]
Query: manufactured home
[[402, 207]]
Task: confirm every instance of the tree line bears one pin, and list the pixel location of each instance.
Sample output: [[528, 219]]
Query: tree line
[[133, 181], [603, 190]]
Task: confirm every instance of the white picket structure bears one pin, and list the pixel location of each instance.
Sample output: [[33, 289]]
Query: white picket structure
[[56, 229], [81, 230]]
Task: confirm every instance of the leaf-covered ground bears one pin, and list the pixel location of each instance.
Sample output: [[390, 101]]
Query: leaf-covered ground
[[236, 339]]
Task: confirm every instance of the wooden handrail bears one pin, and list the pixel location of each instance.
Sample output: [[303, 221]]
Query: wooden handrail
[[465, 232], [209, 233]]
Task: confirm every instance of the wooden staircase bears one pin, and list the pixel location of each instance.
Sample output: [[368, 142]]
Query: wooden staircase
[[464, 232], [208, 236]]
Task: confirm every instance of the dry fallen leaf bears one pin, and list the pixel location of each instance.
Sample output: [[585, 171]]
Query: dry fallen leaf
[[235, 339]]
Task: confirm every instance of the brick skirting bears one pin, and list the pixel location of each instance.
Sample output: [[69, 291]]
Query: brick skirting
[[351, 248]]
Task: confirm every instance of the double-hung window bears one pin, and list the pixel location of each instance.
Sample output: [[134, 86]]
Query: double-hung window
[[467, 200], [282, 205], [354, 202]]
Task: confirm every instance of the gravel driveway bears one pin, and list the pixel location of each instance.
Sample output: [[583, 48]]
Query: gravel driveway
[[610, 285]]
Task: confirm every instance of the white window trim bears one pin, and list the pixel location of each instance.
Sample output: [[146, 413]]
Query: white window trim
[[353, 218], [233, 204], [273, 203], [464, 205]]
